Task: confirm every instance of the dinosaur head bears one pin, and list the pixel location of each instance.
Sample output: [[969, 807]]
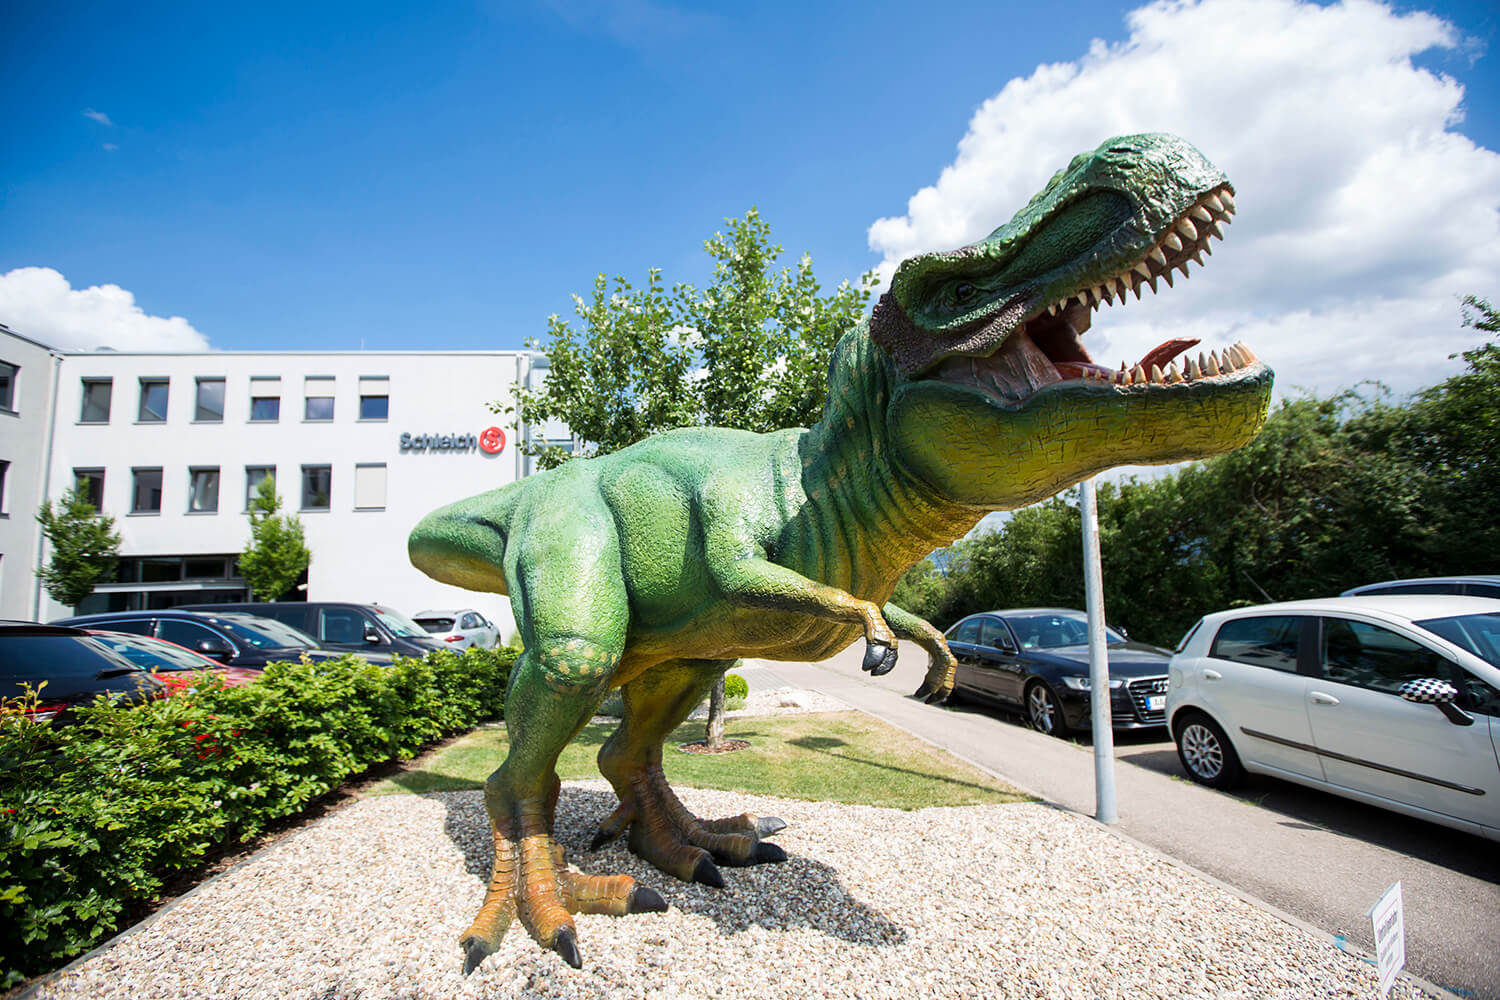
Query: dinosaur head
[[997, 402]]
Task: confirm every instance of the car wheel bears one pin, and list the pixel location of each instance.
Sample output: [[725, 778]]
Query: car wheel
[[1043, 710], [1206, 753]]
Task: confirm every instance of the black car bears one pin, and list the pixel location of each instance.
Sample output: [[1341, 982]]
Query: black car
[[350, 628], [236, 640], [1037, 659], [75, 667]]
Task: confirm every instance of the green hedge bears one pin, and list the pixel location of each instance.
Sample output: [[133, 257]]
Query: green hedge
[[94, 817]]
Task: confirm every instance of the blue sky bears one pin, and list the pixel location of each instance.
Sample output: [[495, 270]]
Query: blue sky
[[338, 176]]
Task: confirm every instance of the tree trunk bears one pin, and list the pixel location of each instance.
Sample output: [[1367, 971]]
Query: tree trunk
[[714, 739]]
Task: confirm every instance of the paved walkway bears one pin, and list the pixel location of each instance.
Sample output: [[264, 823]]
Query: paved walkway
[[1320, 877]]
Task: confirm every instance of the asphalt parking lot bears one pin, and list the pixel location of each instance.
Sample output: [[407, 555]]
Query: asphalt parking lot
[[1315, 857]]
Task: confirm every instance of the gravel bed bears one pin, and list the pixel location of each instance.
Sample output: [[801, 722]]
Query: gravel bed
[[1016, 901]]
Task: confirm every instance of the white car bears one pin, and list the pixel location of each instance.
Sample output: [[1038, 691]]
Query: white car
[[1390, 700], [459, 628]]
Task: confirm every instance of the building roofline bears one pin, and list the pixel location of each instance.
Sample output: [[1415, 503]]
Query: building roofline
[[30, 340]]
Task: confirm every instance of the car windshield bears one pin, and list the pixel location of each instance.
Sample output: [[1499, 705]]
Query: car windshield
[[59, 657], [152, 654], [1479, 634], [266, 633], [436, 625], [1051, 630], [400, 624]]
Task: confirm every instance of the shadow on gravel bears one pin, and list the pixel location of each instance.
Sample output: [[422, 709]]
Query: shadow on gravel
[[760, 896]]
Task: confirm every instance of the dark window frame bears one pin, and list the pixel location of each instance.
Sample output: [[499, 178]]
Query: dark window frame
[[193, 472], [8, 383], [91, 474], [328, 471], [135, 488], [198, 384], [146, 383], [90, 382]]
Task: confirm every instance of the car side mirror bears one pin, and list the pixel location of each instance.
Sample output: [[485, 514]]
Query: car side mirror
[[1432, 691], [216, 649], [372, 635], [1004, 645]]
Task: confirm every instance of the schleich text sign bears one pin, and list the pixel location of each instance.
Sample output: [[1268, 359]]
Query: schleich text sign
[[491, 441]]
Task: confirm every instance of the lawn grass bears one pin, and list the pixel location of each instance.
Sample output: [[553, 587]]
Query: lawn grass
[[824, 756]]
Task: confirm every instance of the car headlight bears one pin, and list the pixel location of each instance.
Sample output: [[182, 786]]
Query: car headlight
[[1083, 684]]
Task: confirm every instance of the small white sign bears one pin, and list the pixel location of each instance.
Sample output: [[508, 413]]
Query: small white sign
[[1390, 936]]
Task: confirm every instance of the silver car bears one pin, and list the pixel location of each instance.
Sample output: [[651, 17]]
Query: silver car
[[459, 628], [1389, 700]]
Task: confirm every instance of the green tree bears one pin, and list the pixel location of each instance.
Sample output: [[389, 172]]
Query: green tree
[[85, 547], [277, 552], [751, 351]]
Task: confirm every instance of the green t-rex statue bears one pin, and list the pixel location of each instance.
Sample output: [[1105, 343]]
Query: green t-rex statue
[[653, 569]]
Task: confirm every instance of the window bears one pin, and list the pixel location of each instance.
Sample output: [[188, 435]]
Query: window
[[153, 409], [471, 620], [187, 634], [967, 631], [8, 386], [90, 482], [265, 398], [318, 393], [254, 474], [992, 632], [96, 395], [145, 491], [374, 397], [317, 486], [210, 401], [1369, 656], [203, 495], [4, 475], [1269, 642], [369, 487], [344, 625]]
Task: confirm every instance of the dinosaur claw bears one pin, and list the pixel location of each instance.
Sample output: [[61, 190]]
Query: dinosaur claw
[[708, 873], [767, 826], [644, 899], [566, 945], [935, 697], [601, 837], [925, 692], [475, 952], [879, 659], [768, 854]]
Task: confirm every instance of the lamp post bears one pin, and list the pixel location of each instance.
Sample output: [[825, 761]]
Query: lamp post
[[1093, 589]]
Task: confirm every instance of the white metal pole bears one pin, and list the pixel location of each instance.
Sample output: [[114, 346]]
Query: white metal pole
[[1093, 590]]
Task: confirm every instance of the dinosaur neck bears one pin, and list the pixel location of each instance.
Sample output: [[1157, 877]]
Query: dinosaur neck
[[866, 520]]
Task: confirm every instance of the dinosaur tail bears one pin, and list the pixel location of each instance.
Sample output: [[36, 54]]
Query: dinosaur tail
[[463, 544]]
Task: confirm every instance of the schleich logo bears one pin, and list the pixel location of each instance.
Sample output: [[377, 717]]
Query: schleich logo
[[491, 441]]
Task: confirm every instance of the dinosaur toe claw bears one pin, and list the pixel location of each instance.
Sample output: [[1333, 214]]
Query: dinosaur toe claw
[[766, 853], [767, 826], [566, 945], [879, 658], [644, 899], [708, 873], [475, 951], [601, 837]]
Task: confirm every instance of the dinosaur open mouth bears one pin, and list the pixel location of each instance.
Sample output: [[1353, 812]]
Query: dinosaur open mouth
[[1048, 349]]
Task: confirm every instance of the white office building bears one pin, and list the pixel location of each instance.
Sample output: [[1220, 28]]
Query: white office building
[[361, 445]]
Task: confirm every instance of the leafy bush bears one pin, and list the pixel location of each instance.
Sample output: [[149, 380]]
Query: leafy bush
[[95, 816], [736, 686]]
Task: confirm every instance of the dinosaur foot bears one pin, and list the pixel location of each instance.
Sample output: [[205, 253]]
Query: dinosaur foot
[[880, 659], [937, 685], [532, 882], [664, 833]]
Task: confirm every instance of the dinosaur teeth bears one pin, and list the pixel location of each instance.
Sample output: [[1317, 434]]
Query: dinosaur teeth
[[1137, 375], [1228, 199], [1159, 257], [1201, 214], [1142, 269], [1156, 374], [1174, 374], [1187, 229], [1193, 370], [1212, 203], [1173, 241], [1211, 366]]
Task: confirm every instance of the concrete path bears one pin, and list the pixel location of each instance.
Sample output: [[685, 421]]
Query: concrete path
[[1321, 877]]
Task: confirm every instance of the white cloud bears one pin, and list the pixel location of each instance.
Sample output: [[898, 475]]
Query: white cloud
[[38, 302], [110, 147], [98, 116], [1363, 213]]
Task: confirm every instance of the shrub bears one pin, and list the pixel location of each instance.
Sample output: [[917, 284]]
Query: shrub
[[95, 816], [735, 686]]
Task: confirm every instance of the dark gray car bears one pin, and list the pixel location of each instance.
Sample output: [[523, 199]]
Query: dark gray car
[[350, 628]]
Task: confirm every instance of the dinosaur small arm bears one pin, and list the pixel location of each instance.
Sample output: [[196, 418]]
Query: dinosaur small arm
[[655, 568]]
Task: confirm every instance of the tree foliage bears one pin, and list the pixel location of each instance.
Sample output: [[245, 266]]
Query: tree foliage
[[1334, 492], [750, 351], [85, 547], [277, 552]]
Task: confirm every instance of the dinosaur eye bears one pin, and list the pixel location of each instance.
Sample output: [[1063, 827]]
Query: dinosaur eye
[[963, 291]]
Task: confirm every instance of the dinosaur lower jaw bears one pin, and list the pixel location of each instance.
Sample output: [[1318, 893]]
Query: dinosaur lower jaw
[[1048, 351]]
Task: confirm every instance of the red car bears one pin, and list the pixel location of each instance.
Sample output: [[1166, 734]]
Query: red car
[[177, 667]]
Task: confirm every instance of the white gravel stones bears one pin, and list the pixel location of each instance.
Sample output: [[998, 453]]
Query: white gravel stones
[[1016, 901], [780, 701]]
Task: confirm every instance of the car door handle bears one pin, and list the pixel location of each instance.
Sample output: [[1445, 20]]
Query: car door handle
[[1319, 698], [1209, 674]]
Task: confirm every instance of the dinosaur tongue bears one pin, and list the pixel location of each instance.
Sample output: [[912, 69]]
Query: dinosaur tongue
[[1161, 355]]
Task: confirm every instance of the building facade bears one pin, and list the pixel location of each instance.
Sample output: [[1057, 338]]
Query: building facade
[[360, 444]]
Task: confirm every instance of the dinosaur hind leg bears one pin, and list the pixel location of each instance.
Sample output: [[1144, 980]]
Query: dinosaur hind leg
[[661, 829]]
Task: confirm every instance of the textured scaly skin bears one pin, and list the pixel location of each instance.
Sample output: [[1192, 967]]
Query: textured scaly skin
[[655, 568]]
